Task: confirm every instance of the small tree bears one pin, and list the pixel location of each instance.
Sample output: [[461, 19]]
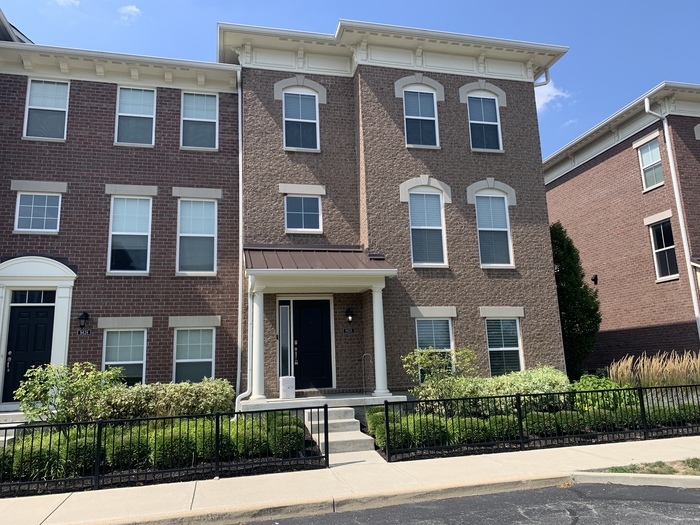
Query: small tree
[[579, 308]]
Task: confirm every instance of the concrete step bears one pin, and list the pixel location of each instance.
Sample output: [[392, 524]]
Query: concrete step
[[354, 441], [334, 425], [341, 413], [12, 418]]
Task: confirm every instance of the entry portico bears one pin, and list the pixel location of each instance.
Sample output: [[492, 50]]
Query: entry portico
[[303, 278]]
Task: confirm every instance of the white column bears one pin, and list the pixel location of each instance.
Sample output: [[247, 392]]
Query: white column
[[258, 391], [379, 345]]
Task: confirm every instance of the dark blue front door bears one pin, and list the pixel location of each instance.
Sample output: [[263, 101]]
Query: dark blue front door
[[313, 367]]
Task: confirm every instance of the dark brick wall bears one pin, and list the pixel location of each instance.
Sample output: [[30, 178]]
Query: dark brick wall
[[602, 206], [86, 161], [363, 161]]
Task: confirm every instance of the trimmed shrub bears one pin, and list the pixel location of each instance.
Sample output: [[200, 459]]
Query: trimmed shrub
[[6, 461], [173, 448], [593, 392], [34, 461], [251, 440], [286, 441], [569, 422], [80, 454], [129, 451], [502, 428], [427, 430], [605, 420], [542, 424], [375, 418], [463, 430], [398, 429]]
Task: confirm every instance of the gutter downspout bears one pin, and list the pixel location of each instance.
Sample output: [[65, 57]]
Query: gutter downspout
[[546, 79], [241, 263], [679, 210]]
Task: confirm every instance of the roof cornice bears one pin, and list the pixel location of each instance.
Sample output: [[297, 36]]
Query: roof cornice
[[76, 64], [667, 98], [356, 43]]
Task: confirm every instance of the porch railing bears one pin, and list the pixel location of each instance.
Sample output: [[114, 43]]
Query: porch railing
[[92, 455], [418, 429]]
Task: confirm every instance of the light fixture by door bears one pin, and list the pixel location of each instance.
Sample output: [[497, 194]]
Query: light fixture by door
[[349, 314], [83, 319]]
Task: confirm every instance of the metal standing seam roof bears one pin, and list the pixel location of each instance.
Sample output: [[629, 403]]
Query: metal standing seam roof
[[273, 257]]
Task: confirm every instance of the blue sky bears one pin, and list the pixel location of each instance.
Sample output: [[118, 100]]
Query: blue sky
[[619, 49]]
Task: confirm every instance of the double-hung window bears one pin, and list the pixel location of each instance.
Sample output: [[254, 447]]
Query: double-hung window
[[303, 214], [420, 114], [130, 234], [664, 249], [126, 349], [194, 354], [484, 125], [435, 335], [37, 212], [196, 249], [199, 121], [503, 336], [650, 162], [301, 120], [494, 230], [427, 232], [47, 110], [136, 115]]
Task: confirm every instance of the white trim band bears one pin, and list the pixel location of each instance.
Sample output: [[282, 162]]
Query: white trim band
[[501, 311], [194, 321], [433, 311], [661, 216], [124, 322], [39, 186]]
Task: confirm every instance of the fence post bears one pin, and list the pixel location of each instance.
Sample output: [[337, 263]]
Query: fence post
[[386, 431], [217, 444], [98, 455], [325, 434], [642, 411], [519, 408]]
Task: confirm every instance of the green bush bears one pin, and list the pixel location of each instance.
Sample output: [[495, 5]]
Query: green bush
[[251, 440], [375, 418], [606, 420], [80, 453], [126, 451], [427, 430], [587, 396], [36, 460], [398, 428], [173, 448], [542, 424], [463, 430], [6, 461], [502, 428], [569, 422], [286, 441]]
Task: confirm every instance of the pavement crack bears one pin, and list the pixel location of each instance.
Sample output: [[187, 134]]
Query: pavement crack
[[194, 493], [56, 508]]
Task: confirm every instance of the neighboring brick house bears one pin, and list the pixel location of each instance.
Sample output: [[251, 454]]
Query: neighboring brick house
[[118, 198], [353, 238], [627, 194], [365, 156]]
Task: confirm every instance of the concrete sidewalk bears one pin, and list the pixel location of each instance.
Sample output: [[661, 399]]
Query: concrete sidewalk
[[355, 481]]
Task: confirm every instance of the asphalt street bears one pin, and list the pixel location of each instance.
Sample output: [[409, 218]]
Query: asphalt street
[[585, 504]]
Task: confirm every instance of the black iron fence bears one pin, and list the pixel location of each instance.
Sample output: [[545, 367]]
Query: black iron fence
[[418, 429], [92, 455]]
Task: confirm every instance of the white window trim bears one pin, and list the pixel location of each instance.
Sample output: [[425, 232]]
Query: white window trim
[[111, 233], [213, 349], [116, 120], [26, 112], [119, 363], [421, 88], [179, 236], [431, 191], [493, 96], [655, 250], [495, 193], [638, 145], [300, 90], [36, 231], [314, 231], [183, 119], [520, 341]]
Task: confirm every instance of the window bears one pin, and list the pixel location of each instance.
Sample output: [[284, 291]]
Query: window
[[194, 354], [494, 230], [136, 116], [436, 335], [37, 212], [664, 249], [420, 118], [650, 161], [196, 248], [47, 110], [484, 127], [504, 345], [300, 120], [427, 235], [130, 232], [126, 349], [199, 121], [303, 214]]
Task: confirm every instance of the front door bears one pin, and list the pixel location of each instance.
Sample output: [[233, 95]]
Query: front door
[[28, 344], [311, 337]]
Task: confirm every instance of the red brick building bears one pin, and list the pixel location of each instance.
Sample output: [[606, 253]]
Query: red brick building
[[390, 198], [627, 192]]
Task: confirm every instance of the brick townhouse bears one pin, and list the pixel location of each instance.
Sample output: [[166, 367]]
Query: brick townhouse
[[119, 201], [391, 197], [627, 193]]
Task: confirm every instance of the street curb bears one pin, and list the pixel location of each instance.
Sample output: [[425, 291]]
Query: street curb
[[343, 503], [657, 480]]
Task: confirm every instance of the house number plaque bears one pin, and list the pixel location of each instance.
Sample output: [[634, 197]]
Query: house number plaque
[[83, 331]]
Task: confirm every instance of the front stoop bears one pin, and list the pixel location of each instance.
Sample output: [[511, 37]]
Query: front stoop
[[8, 422], [344, 433]]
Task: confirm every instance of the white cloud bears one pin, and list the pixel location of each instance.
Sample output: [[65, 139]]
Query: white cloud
[[570, 122], [549, 96], [68, 3], [128, 13]]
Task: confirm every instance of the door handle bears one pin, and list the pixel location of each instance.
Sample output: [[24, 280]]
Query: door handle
[[7, 361], [296, 357]]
